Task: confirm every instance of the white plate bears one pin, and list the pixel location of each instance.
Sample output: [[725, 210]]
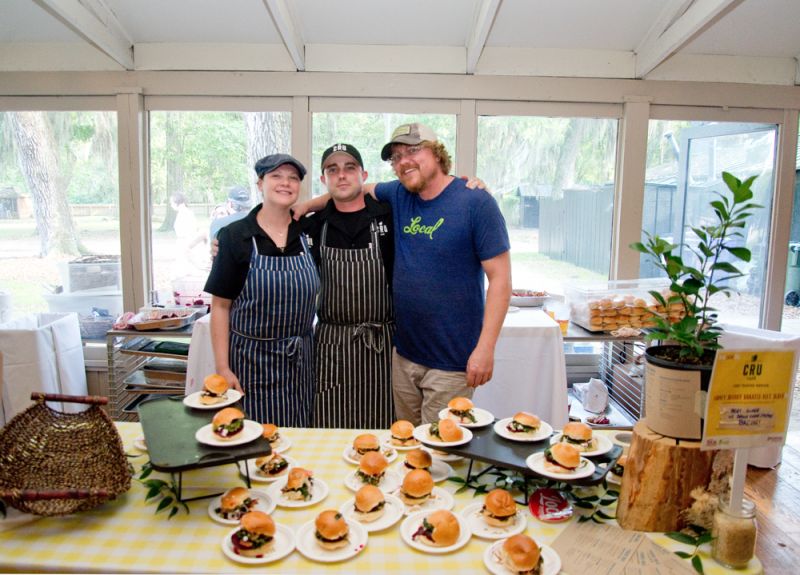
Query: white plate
[[284, 443], [319, 491], [544, 431], [193, 400], [252, 431], [528, 301], [421, 433], [482, 417], [139, 443], [551, 562], [411, 523], [388, 483], [350, 455], [444, 456], [265, 504], [536, 462], [439, 470], [386, 440], [255, 475], [602, 444], [439, 499], [393, 511], [308, 546], [479, 527], [284, 544]]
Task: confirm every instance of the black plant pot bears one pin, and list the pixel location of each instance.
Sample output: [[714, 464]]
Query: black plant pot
[[672, 390]]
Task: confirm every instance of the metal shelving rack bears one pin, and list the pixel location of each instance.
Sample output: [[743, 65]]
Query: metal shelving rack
[[126, 359]]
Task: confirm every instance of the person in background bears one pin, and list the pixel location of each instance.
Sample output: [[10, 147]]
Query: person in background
[[353, 246], [235, 208], [447, 235], [264, 285], [190, 238]]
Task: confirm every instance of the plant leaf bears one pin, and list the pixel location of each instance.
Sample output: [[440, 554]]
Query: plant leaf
[[683, 554], [682, 537], [697, 563], [164, 503]]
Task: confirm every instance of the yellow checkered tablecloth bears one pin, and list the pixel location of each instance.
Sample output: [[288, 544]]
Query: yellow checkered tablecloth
[[126, 536]]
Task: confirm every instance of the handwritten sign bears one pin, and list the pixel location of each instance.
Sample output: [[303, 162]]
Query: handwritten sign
[[748, 399]]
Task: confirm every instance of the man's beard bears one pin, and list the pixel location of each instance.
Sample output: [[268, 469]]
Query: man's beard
[[417, 185]]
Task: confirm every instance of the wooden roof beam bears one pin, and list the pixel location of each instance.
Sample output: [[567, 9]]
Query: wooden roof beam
[[288, 30], [96, 23], [679, 23], [487, 11]]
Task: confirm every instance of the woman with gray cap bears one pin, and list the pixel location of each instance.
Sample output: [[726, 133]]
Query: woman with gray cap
[[264, 285]]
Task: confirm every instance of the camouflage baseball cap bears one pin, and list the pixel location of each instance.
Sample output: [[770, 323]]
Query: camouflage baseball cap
[[410, 134]]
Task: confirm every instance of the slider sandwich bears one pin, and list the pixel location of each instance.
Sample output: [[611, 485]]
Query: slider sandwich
[[418, 459], [578, 434], [332, 530], [562, 458], [499, 508], [524, 422], [520, 554], [403, 433], [370, 503], [271, 465], [372, 467], [445, 430], [215, 388], [416, 488], [234, 503], [299, 484], [228, 423], [256, 535], [461, 409], [365, 443], [439, 529], [269, 431]]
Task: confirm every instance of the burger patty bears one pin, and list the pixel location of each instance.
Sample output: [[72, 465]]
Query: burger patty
[[243, 539], [378, 507], [319, 536], [486, 512], [517, 427]]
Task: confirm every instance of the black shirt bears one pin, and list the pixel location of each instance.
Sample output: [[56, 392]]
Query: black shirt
[[351, 230], [346, 230]]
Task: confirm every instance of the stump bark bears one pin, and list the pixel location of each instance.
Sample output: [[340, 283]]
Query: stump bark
[[660, 474]]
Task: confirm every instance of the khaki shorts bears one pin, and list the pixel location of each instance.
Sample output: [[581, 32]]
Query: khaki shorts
[[420, 392]]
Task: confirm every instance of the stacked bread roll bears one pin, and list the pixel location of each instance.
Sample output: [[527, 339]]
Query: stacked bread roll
[[613, 311]]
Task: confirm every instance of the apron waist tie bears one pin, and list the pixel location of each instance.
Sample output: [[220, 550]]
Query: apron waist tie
[[371, 335], [293, 350]]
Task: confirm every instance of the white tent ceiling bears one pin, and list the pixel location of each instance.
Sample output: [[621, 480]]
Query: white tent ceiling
[[755, 41]]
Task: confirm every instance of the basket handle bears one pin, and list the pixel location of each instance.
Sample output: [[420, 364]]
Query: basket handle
[[90, 399], [45, 494]]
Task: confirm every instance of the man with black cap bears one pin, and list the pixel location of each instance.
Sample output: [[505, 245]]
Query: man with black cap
[[353, 246], [264, 284], [447, 236]]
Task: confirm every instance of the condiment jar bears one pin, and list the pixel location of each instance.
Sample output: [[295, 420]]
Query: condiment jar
[[734, 532]]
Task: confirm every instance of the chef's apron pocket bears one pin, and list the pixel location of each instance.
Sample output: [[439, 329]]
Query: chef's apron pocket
[[329, 366]]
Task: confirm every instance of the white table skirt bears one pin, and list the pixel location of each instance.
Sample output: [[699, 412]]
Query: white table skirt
[[529, 369]]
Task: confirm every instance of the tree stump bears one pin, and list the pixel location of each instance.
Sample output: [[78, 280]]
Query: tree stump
[[660, 474]]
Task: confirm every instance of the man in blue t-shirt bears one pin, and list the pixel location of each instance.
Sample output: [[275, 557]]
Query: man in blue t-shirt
[[447, 236]]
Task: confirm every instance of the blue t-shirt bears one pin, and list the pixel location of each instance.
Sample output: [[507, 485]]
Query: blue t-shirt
[[438, 278]]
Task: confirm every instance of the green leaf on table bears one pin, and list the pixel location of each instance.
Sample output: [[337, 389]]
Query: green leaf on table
[[152, 492], [697, 563], [584, 518], [172, 512], [583, 504], [681, 537], [603, 515], [605, 502], [166, 502], [683, 554], [706, 537]]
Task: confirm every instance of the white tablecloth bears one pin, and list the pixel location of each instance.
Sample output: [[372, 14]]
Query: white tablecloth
[[529, 369]]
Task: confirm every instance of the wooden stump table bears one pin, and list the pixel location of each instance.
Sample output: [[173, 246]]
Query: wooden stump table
[[660, 474]]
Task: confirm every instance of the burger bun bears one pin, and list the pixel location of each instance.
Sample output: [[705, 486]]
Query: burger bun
[[367, 500], [567, 458], [520, 554], [417, 487], [333, 530], [446, 529], [257, 522], [499, 509]]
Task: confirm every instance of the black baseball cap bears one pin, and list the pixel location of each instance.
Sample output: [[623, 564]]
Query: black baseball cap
[[272, 162], [345, 149]]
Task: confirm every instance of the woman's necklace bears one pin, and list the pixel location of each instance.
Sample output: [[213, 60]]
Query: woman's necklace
[[278, 236]]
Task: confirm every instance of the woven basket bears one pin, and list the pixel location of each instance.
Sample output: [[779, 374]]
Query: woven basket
[[54, 463]]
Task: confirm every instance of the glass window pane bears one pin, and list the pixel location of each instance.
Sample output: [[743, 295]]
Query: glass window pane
[[201, 170], [685, 161], [554, 181], [369, 133], [791, 308], [59, 211]]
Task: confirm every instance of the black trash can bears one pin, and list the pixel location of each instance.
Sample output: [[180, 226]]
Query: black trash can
[[793, 275]]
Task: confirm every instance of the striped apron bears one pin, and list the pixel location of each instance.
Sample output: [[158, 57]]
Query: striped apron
[[353, 338], [271, 342]]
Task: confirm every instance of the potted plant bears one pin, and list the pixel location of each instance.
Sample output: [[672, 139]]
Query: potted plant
[[688, 346]]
